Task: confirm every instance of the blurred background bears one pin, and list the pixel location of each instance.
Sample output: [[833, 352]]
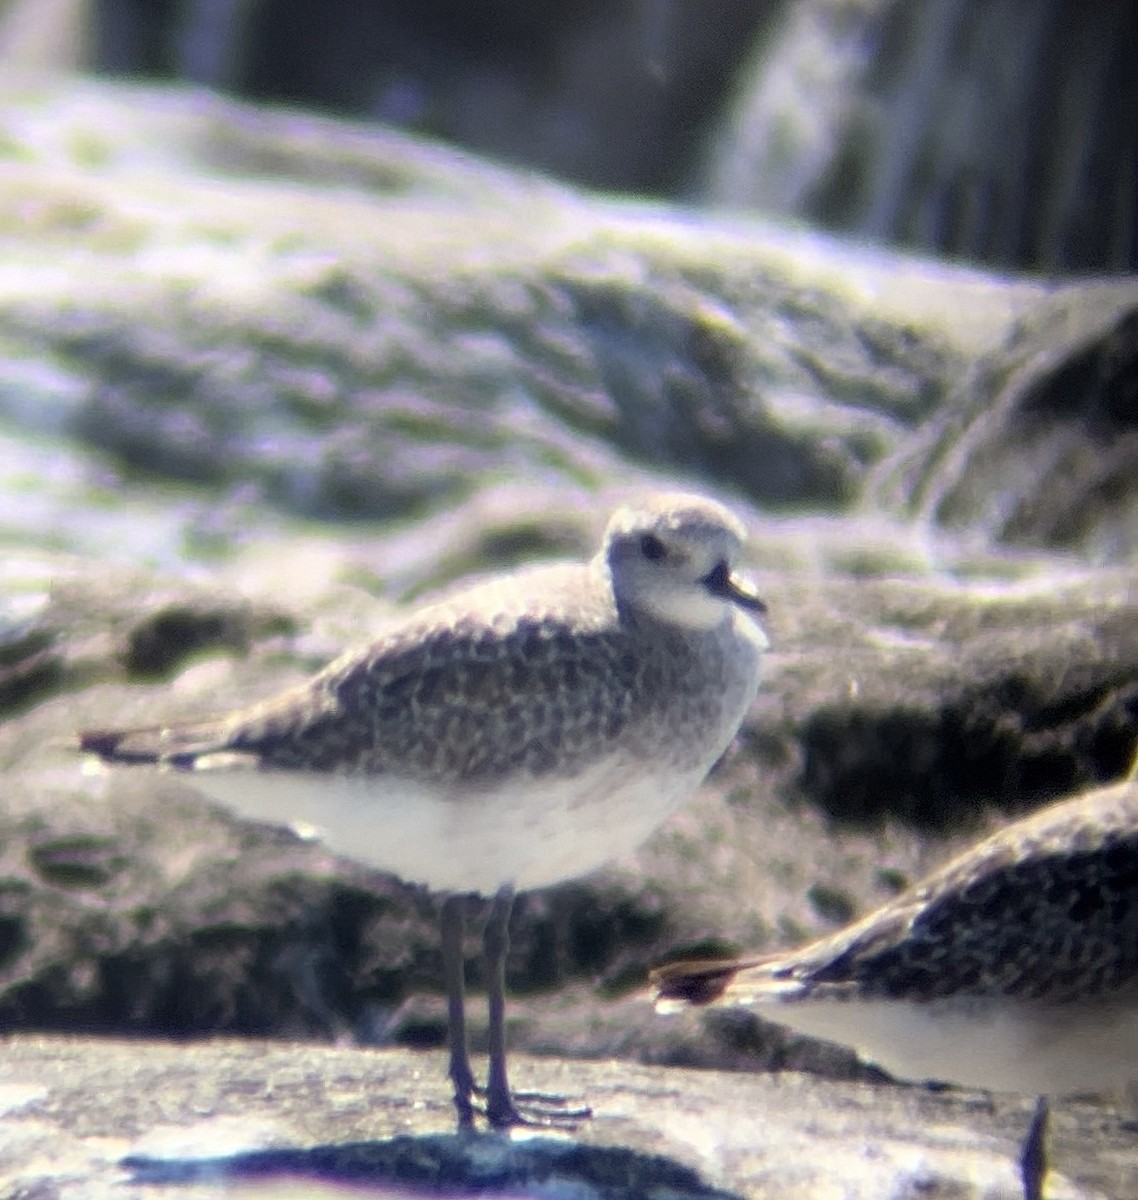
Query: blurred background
[[1002, 132]]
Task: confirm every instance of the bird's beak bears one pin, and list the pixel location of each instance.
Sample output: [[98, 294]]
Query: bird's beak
[[736, 588]]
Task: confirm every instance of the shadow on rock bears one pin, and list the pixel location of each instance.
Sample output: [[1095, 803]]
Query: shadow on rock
[[446, 1164]]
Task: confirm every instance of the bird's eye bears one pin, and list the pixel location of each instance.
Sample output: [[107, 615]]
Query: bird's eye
[[652, 548]]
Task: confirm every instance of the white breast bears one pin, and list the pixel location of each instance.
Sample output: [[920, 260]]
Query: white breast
[[532, 835]]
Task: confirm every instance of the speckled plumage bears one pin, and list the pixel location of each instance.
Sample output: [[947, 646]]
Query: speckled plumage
[[538, 681], [1034, 927], [522, 732], [1046, 910], [1012, 968], [558, 695]]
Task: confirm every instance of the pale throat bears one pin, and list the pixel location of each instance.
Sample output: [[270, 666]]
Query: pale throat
[[687, 608]]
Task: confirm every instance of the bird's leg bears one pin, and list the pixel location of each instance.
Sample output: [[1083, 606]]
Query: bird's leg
[[501, 1109], [1033, 1156], [453, 926]]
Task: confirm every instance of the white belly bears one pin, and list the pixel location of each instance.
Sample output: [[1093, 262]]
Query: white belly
[[1005, 1047], [530, 835]]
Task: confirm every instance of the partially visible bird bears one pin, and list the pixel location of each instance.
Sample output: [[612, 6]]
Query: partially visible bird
[[1012, 968]]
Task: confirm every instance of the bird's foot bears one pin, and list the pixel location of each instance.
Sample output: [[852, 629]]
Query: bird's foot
[[533, 1110]]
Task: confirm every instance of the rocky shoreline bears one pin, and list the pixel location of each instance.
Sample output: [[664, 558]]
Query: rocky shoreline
[[267, 377]]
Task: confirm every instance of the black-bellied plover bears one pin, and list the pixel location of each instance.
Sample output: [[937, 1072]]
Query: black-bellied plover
[[520, 733], [1012, 968]]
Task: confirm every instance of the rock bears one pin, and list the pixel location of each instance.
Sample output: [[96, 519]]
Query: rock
[[897, 122], [337, 339], [95, 1118], [1048, 458], [612, 95], [891, 120]]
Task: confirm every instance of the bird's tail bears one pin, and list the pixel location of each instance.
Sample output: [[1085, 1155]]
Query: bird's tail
[[691, 982], [733, 981], [177, 747], [113, 745]]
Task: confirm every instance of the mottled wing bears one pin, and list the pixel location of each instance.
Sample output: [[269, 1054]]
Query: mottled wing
[[1045, 910], [1052, 926], [454, 702]]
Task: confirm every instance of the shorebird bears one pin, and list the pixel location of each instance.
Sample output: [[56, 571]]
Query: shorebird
[[520, 733], [1012, 968]]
